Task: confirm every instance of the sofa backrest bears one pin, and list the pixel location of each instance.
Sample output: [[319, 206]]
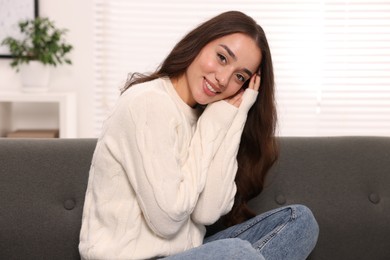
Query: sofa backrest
[[345, 181], [42, 188]]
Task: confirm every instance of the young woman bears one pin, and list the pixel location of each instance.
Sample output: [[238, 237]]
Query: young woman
[[187, 145]]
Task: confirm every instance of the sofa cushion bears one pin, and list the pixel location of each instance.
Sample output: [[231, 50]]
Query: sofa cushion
[[345, 181], [42, 188]]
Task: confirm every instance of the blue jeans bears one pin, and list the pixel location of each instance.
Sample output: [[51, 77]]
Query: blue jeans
[[289, 232]]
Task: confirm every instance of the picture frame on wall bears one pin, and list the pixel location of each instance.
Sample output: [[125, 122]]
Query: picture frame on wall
[[11, 13]]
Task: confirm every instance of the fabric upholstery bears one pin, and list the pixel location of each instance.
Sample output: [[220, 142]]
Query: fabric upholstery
[[344, 180], [42, 187]]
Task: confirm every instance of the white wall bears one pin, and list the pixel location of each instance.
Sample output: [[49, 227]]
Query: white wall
[[77, 17]]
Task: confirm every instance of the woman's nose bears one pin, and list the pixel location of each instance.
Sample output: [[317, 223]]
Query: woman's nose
[[223, 77]]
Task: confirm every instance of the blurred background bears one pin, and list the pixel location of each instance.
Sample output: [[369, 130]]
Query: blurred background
[[331, 60]]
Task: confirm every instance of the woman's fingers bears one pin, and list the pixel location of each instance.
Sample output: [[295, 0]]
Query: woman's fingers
[[236, 99], [254, 82]]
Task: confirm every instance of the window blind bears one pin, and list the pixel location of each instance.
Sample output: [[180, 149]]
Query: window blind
[[331, 57], [355, 97]]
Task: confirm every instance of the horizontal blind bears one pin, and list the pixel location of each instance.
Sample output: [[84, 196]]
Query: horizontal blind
[[135, 36], [294, 33], [331, 58], [355, 94]]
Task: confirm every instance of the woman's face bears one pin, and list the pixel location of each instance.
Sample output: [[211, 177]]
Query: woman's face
[[219, 70]]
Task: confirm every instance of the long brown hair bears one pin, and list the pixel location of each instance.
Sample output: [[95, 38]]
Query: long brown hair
[[258, 150]]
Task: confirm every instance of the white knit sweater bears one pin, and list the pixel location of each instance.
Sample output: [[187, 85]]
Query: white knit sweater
[[160, 173]]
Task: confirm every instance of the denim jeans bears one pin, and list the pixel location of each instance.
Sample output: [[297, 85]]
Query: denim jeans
[[289, 232]]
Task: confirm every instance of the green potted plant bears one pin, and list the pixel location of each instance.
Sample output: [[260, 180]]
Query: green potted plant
[[41, 45]]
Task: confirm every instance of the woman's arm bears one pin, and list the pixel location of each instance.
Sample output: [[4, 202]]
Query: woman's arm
[[167, 186], [217, 198], [218, 194]]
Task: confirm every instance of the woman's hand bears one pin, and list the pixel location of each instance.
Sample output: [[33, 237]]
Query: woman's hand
[[254, 84]]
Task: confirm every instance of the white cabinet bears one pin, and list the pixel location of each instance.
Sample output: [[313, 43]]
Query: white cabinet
[[66, 111]]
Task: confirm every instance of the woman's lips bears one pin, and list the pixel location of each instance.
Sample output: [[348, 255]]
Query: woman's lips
[[210, 89]]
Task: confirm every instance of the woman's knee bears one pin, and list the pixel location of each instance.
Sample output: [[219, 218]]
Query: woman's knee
[[295, 238], [231, 248], [236, 248], [306, 222]]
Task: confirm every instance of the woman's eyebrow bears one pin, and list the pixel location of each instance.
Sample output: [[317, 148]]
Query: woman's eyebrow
[[231, 54], [229, 51]]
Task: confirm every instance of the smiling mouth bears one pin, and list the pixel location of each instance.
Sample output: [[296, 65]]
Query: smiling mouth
[[209, 87]]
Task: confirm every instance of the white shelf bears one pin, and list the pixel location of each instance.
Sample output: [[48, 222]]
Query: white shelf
[[66, 102]]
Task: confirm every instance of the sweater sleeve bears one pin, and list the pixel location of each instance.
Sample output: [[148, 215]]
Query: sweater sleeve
[[166, 188], [218, 194]]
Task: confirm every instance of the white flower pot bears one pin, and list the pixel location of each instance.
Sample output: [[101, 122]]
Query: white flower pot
[[35, 77]]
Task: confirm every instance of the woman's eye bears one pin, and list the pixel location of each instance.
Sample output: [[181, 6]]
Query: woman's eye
[[241, 78], [222, 58]]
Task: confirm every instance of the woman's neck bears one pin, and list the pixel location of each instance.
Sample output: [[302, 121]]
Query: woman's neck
[[181, 86]]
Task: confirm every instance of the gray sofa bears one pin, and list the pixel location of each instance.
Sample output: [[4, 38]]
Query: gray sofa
[[344, 180]]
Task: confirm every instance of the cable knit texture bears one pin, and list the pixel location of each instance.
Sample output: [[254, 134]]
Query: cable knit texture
[[160, 173]]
